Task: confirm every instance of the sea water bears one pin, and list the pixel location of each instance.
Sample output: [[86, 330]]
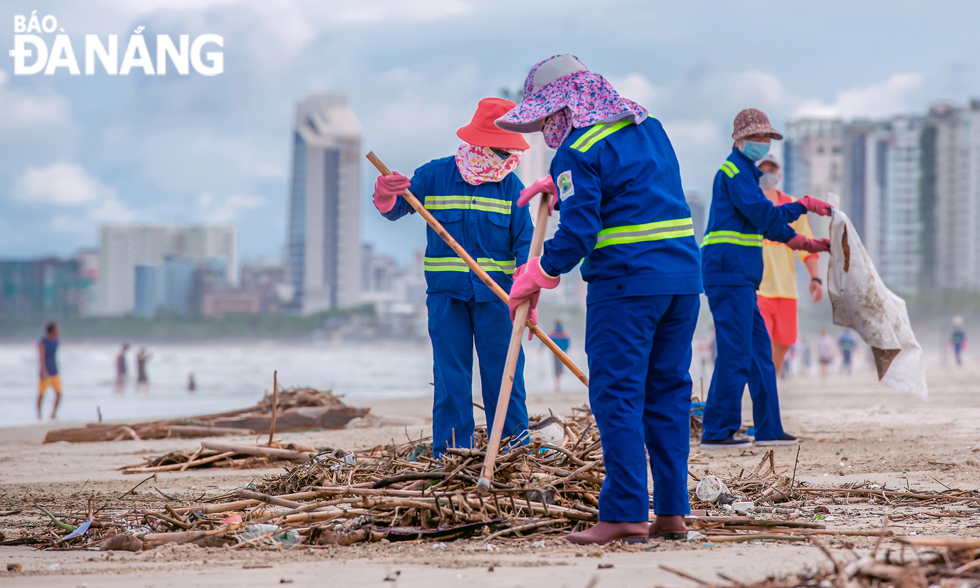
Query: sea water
[[230, 376]]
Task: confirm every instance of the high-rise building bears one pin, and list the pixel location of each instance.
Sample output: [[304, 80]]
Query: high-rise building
[[40, 289], [699, 213], [814, 160], [124, 247], [950, 197], [881, 192], [164, 286], [324, 248]]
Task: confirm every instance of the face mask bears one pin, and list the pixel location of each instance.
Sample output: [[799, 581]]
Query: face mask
[[754, 150], [768, 181], [556, 127], [480, 164]]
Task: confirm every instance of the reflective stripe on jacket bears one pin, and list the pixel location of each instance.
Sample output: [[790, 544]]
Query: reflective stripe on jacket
[[623, 211], [483, 219]]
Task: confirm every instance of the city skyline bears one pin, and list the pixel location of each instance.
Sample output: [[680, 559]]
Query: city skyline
[[84, 151]]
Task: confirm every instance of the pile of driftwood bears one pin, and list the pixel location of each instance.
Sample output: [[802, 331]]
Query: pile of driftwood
[[946, 562], [298, 409], [225, 455]]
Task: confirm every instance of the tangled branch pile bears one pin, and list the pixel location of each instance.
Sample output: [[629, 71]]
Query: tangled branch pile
[[945, 562]]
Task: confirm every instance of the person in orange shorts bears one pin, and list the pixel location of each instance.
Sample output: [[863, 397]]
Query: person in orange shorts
[[777, 293], [47, 349]]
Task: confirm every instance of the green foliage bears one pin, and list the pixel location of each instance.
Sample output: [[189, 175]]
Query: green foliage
[[171, 325]]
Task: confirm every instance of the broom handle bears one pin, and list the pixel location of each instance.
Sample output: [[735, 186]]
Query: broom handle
[[513, 352], [479, 271]]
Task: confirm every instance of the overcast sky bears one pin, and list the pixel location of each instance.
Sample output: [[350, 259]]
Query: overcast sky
[[77, 151]]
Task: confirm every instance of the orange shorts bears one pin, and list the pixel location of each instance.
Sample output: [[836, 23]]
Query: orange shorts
[[780, 317], [53, 381]]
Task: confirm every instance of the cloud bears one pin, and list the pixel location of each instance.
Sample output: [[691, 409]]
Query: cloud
[[874, 100], [636, 87], [229, 209], [30, 111], [61, 184], [113, 211]]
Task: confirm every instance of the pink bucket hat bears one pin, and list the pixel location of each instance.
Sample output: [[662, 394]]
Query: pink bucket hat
[[564, 81]]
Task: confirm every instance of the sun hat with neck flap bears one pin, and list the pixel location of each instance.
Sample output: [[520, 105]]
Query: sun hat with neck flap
[[564, 81]]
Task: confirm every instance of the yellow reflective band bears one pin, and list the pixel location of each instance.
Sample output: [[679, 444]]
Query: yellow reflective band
[[598, 133], [672, 229], [729, 169], [494, 265], [455, 264], [467, 203], [445, 264], [732, 238]]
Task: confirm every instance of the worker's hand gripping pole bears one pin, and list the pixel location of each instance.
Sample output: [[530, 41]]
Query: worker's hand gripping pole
[[513, 352], [479, 271]]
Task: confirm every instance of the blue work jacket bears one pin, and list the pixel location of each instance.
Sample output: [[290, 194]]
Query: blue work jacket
[[741, 216], [484, 219], [623, 211]]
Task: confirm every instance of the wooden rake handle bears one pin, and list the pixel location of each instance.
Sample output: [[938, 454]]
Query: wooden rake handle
[[480, 272], [513, 352]]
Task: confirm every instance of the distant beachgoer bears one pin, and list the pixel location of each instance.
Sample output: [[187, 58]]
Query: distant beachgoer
[[806, 354], [561, 339], [825, 352], [142, 382], [47, 349], [847, 343], [191, 385], [120, 386], [958, 339]]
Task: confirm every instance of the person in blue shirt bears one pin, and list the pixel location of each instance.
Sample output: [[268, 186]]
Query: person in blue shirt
[[474, 196], [47, 349], [958, 339], [731, 255], [847, 344], [560, 336], [623, 211]]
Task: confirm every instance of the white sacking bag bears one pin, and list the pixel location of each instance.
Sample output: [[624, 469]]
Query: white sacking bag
[[863, 303]]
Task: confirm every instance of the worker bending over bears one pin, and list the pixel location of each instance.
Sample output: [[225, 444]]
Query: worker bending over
[[474, 196], [623, 210], [741, 216]]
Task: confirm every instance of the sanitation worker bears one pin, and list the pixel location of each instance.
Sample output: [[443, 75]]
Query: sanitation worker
[[741, 216], [474, 195], [623, 210]]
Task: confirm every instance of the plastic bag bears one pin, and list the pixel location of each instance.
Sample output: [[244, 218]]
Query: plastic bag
[[862, 302]]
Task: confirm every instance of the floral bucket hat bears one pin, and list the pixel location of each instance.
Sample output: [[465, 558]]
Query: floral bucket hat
[[564, 81]]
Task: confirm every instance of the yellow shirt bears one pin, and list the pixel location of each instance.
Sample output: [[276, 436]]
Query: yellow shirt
[[779, 272]]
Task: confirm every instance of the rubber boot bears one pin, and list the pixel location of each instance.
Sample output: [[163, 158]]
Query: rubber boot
[[604, 532], [669, 527]]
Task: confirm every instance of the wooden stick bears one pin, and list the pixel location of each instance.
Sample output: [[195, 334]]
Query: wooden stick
[[479, 271], [275, 402], [177, 466], [513, 351], [287, 454], [266, 498], [752, 537]]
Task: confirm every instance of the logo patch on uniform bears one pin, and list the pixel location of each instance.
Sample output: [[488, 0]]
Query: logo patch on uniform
[[565, 186]]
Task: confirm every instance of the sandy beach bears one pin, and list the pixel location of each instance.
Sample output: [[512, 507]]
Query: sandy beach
[[852, 429]]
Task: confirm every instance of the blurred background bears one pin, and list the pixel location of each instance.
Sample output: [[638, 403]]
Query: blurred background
[[225, 222]]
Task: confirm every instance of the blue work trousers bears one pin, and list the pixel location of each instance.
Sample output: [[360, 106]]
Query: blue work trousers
[[640, 390], [744, 357], [454, 326]]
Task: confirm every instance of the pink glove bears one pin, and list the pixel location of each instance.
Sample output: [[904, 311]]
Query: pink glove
[[387, 189], [528, 281], [801, 243], [815, 205], [543, 185]]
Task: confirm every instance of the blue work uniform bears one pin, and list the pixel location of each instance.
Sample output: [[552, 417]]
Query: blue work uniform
[[741, 217], [487, 223], [623, 210]]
